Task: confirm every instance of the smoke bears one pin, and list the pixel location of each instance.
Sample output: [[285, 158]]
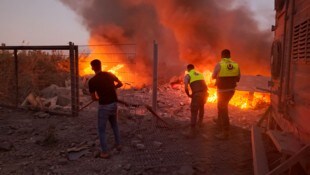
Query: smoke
[[187, 31]]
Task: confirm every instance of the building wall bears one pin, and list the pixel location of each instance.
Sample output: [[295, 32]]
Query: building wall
[[291, 97]]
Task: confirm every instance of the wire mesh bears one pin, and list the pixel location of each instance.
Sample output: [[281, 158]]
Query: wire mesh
[[38, 77]]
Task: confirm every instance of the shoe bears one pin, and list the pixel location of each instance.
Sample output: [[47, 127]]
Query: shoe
[[117, 147], [104, 155]]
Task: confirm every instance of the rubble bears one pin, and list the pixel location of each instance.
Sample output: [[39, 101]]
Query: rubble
[[140, 146], [5, 146], [41, 115], [150, 146], [157, 144]]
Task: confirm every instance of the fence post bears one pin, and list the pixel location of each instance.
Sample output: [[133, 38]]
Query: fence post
[[155, 80], [16, 77], [77, 77], [73, 81]]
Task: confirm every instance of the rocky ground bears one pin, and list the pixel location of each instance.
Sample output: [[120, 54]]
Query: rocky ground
[[41, 143]]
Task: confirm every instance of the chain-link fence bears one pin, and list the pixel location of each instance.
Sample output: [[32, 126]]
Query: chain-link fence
[[40, 78], [55, 78]]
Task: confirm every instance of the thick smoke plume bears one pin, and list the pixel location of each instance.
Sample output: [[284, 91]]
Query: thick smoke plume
[[187, 31]]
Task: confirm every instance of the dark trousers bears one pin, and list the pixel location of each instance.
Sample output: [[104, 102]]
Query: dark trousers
[[222, 107], [197, 107]]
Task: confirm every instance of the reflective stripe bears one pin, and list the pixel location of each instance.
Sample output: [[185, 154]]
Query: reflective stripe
[[229, 68], [195, 76]]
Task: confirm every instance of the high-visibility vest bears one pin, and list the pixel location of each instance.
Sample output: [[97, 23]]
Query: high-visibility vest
[[195, 76], [229, 68]]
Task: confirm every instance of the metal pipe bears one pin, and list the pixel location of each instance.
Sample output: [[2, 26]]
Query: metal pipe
[[155, 78]]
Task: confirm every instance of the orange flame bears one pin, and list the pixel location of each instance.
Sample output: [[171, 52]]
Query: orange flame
[[241, 99]]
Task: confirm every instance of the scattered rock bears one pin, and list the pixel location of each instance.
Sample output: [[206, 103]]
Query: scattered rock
[[157, 144], [62, 161], [41, 115], [139, 136], [127, 167], [135, 142], [63, 100], [140, 146], [199, 168], [5, 146], [74, 155], [185, 170]]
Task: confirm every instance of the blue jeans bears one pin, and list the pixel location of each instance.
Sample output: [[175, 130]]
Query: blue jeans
[[105, 113]]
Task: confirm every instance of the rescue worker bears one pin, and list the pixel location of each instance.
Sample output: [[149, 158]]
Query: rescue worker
[[198, 96], [227, 74]]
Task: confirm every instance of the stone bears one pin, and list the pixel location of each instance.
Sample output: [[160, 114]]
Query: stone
[[41, 115], [157, 144], [127, 167], [185, 170], [63, 100], [49, 91], [139, 136], [5, 146], [135, 142], [199, 168], [140, 146], [62, 161], [74, 155]]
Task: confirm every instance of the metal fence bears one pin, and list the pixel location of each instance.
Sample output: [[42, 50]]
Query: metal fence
[[32, 77], [55, 78]]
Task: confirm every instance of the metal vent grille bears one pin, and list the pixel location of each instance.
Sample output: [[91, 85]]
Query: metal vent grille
[[301, 42]]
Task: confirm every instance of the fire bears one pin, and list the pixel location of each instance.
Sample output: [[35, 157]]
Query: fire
[[87, 70], [241, 99]]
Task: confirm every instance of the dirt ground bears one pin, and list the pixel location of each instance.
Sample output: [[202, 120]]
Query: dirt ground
[[41, 143]]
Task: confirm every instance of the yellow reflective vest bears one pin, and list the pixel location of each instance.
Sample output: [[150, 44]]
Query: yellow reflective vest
[[195, 76], [229, 68]]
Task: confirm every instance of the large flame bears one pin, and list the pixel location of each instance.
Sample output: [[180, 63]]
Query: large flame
[[241, 99], [115, 60]]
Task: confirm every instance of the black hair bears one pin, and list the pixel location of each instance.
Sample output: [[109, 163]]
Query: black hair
[[226, 53], [190, 67], [96, 64]]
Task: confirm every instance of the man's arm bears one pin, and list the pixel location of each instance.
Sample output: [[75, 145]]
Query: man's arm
[[216, 71], [186, 82], [239, 76], [94, 97], [118, 84], [115, 79], [92, 90]]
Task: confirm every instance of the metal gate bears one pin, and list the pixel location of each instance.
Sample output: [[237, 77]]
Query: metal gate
[[27, 70]]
